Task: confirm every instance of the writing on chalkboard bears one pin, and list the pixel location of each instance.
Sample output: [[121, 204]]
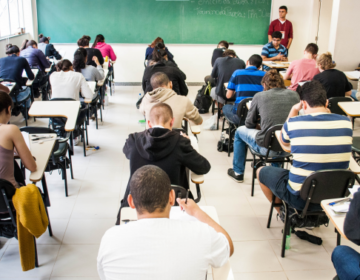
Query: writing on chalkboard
[[228, 11]]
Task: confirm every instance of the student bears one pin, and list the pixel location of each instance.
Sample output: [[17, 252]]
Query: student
[[335, 82], [273, 106], [105, 49], [47, 48], [12, 141], [84, 42], [284, 26], [161, 46], [161, 55], [224, 67], [345, 259], [303, 69], [274, 51], [12, 67], [151, 47], [89, 72], [163, 147], [156, 247], [244, 83], [332, 152], [163, 93], [65, 83], [176, 76], [218, 52]]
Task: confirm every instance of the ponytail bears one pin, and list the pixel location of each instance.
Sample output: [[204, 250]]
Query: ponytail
[[43, 39], [159, 52], [11, 49], [99, 38], [84, 41], [79, 59], [63, 65], [26, 43]]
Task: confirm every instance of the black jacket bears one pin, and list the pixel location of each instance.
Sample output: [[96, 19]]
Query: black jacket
[[166, 149], [216, 54], [12, 67], [94, 52], [175, 75], [352, 220], [50, 51]]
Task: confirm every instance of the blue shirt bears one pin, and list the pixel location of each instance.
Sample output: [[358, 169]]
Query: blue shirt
[[12, 67], [245, 83], [319, 141], [36, 58], [269, 51]]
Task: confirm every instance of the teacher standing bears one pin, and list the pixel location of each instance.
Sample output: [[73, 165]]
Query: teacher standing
[[284, 26]]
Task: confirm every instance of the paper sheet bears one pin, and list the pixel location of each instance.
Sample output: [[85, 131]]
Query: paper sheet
[[353, 74]]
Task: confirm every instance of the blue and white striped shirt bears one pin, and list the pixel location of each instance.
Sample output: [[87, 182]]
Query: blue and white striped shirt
[[245, 82], [269, 51], [319, 141]]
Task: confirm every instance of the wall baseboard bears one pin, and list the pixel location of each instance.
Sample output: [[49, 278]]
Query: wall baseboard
[[139, 84]]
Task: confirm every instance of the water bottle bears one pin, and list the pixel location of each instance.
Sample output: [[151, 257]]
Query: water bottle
[[287, 241], [139, 96]]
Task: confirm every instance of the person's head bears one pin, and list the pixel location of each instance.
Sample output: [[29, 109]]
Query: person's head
[[160, 79], [223, 45], [276, 38], [157, 40], [313, 95], [43, 39], [84, 41], [150, 191], [99, 39], [161, 114], [282, 12], [6, 104], [28, 43], [272, 79], [255, 60], [159, 52], [80, 58], [325, 62], [64, 65], [311, 51], [229, 53], [12, 49]]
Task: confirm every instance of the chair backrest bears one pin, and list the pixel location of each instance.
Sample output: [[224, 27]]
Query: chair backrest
[[270, 140], [242, 109], [334, 106], [9, 192], [180, 192], [326, 184]]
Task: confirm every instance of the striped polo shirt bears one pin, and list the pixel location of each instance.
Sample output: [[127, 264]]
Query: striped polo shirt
[[319, 141], [269, 51], [245, 83]]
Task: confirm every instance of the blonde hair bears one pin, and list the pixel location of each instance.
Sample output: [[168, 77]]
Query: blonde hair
[[325, 61]]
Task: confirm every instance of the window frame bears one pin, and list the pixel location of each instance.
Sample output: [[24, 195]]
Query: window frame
[[18, 12]]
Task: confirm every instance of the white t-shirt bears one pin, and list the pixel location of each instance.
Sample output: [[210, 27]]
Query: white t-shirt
[[161, 249], [282, 22]]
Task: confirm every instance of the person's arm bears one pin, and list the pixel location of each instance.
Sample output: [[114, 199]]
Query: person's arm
[[270, 31], [112, 55], [265, 54], [21, 148], [285, 56], [347, 87], [86, 92], [42, 59], [182, 85], [348, 93], [28, 71], [99, 73], [289, 72], [4, 89], [284, 137], [144, 81], [192, 113], [231, 86], [253, 115], [290, 37], [215, 70], [99, 56], [54, 52], [289, 43], [128, 146], [352, 220], [192, 209]]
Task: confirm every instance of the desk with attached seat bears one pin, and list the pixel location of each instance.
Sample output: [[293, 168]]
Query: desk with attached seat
[[337, 221]]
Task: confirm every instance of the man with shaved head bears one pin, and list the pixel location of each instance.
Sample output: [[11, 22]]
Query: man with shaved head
[[164, 147]]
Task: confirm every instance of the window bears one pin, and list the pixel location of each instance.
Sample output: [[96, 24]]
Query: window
[[11, 17]]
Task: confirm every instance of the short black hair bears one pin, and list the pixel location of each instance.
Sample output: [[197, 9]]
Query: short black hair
[[312, 48], [283, 8], [276, 34], [313, 93], [224, 43], [159, 79], [255, 60], [150, 187]]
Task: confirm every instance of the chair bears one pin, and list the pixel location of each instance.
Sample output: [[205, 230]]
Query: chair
[[94, 106], [194, 129], [320, 185], [271, 144], [44, 88], [58, 159], [334, 106], [241, 112], [8, 226], [58, 124]]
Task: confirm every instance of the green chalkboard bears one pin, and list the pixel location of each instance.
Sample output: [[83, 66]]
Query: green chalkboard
[[141, 21]]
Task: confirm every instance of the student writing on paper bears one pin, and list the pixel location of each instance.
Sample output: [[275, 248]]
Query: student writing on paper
[[158, 248], [164, 147], [334, 81], [90, 72], [47, 48], [345, 259], [11, 140], [84, 42], [333, 151]]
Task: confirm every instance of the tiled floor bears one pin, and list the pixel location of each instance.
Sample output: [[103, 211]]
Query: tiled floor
[[80, 220]]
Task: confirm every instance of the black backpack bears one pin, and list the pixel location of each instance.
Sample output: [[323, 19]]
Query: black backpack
[[203, 99]]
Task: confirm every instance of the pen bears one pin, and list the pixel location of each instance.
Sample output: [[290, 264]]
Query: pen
[[341, 200], [187, 196]]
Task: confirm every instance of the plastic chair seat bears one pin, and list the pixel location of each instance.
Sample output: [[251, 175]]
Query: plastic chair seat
[[356, 144], [63, 147]]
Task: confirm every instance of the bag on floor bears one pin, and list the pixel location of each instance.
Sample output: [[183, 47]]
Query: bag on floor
[[210, 123], [223, 144], [203, 99]]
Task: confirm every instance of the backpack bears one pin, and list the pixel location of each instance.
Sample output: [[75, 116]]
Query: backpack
[[203, 99]]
